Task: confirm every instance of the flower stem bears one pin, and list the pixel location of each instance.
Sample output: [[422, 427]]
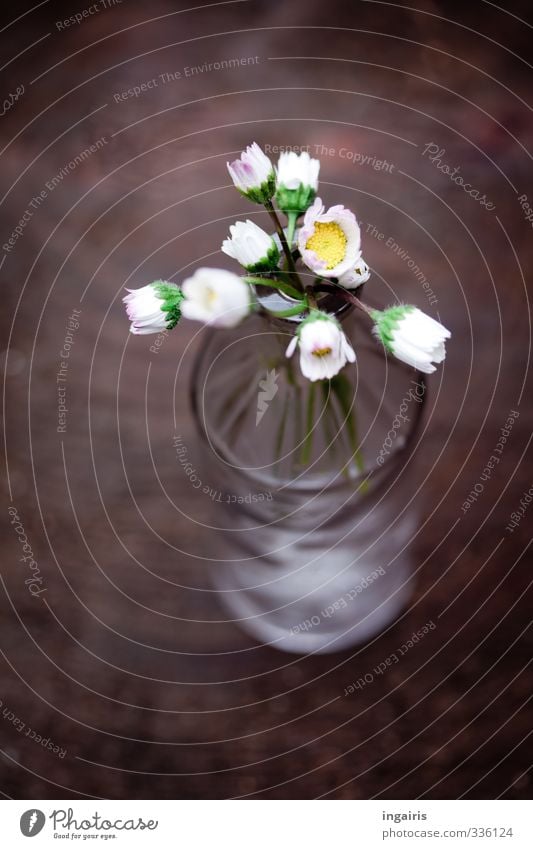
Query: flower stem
[[292, 218], [296, 310], [286, 250], [348, 296], [271, 282], [340, 386], [305, 453]]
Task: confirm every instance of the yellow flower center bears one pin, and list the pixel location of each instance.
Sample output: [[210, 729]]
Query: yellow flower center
[[211, 296], [328, 242], [321, 352]]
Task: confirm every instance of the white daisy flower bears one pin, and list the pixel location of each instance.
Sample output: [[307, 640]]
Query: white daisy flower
[[357, 275], [329, 242], [412, 336], [154, 308], [252, 247], [253, 174], [324, 349], [216, 297], [297, 181]]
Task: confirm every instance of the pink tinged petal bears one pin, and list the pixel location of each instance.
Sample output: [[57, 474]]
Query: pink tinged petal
[[316, 209], [314, 262], [242, 173], [338, 211], [246, 168], [144, 330], [305, 233]]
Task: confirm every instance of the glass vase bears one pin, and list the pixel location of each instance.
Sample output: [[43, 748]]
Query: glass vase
[[317, 482]]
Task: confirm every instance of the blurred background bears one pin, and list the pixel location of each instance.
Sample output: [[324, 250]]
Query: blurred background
[[121, 676]]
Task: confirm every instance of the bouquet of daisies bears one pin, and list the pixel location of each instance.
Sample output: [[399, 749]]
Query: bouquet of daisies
[[317, 251]]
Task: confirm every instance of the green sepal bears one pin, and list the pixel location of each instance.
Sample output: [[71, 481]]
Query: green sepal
[[172, 296], [387, 321], [270, 262], [295, 200], [264, 193]]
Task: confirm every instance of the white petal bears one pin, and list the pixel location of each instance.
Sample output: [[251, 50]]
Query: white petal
[[314, 368], [216, 296], [248, 243], [348, 350], [291, 346], [405, 349], [424, 329], [439, 353]]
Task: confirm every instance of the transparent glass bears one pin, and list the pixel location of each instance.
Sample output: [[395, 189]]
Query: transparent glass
[[317, 531]]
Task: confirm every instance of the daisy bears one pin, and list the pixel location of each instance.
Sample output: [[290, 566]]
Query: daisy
[[324, 349], [411, 336], [329, 242]]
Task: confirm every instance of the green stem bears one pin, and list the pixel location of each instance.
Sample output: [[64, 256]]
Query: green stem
[[329, 413], [292, 219], [308, 441], [299, 308], [272, 283], [286, 250], [281, 429], [297, 406], [340, 386]]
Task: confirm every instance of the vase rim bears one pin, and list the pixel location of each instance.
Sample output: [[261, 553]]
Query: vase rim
[[277, 301]]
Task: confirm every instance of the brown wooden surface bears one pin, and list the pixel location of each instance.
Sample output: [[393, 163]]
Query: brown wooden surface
[[123, 666]]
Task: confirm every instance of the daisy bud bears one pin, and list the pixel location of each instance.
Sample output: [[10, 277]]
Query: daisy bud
[[154, 308], [253, 175], [297, 181], [412, 336], [324, 349], [329, 242], [252, 247], [216, 297], [358, 275]]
